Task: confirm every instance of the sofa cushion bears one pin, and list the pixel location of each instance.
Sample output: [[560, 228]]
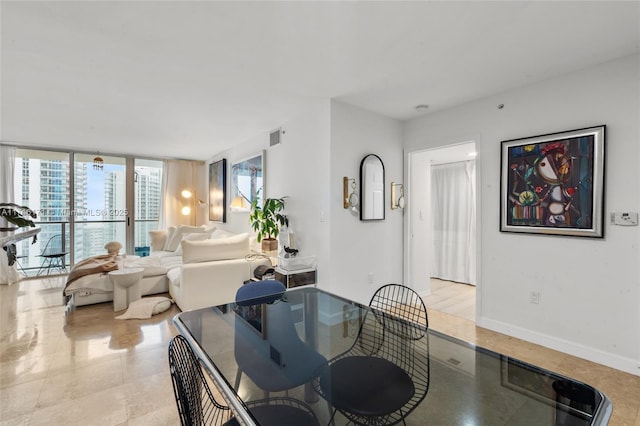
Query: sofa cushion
[[236, 247], [198, 236], [170, 231], [174, 241], [158, 239], [221, 233]]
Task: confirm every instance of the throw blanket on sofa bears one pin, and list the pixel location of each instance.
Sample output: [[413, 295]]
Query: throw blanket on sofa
[[92, 265]]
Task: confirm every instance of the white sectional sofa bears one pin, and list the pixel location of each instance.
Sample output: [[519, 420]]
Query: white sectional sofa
[[198, 266], [208, 267]]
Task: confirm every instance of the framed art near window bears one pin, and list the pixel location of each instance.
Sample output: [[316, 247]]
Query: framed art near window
[[247, 182], [218, 191], [554, 183]]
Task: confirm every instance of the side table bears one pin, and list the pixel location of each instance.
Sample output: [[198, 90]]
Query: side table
[[296, 278], [126, 287]]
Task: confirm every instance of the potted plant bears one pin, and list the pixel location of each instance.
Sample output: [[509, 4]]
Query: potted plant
[[20, 216], [267, 220]]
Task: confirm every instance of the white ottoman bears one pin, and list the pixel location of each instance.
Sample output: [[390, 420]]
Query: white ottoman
[[126, 287]]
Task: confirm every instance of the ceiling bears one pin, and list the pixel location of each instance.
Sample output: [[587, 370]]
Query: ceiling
[[190, 79]]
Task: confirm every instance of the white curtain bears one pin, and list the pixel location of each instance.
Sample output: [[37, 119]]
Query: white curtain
[[8, 274], [7, 166], [178, 175], [453, 201]]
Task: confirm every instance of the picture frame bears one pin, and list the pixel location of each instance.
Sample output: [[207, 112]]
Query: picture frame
[[554, 183], [247, 182], [255, 316], [218, 191]]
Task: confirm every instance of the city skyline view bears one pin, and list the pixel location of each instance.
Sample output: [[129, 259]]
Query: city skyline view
[[98, 212]]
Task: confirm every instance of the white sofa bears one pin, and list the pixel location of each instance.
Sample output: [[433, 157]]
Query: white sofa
[[206, 269], [198, 266]]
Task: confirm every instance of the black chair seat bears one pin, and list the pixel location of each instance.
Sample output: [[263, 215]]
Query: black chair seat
[[366, 386]]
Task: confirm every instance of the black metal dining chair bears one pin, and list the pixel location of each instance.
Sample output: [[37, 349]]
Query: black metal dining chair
[[198, 406], [53, 255], [385, 373], [196, 403]]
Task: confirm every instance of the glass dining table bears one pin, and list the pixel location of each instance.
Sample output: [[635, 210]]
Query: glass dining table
[[254, 350]]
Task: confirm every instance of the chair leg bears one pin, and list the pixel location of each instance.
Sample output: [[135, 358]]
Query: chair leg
[[46, 264]]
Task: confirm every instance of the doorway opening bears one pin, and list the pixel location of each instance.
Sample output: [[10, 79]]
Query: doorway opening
[[442, 228]]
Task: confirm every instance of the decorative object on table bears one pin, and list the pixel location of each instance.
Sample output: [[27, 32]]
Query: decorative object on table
[[397, 198], [113, 247], [146, 308], [286, 240], [371, 188], [20, 216], [297, 263], [350, 199], [290, 252], [218, 191], [246, 182], [554, 184], [267, 220]]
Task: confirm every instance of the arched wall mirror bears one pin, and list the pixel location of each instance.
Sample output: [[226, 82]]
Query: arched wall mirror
[[371, 188]]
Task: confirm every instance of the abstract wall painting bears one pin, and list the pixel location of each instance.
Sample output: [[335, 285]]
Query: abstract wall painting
[[554, 184]]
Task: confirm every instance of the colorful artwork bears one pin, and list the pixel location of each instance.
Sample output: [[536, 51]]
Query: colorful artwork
[[553, 184]]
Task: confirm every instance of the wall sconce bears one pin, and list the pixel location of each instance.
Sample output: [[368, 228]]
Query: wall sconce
[[397, 199], [349, 199]]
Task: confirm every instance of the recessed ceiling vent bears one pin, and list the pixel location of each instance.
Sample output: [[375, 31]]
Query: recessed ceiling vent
[[275, 137]]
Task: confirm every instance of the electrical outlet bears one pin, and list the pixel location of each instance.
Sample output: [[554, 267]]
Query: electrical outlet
[[534, 297], [370, 278]]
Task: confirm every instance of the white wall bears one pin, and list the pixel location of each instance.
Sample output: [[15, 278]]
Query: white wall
[[361, 248], [590, 288], [297, 169]]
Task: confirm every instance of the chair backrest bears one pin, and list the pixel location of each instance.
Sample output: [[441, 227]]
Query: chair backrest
[[256, 292], [402, 302], [396, 329], [196, 403], [54, 247]]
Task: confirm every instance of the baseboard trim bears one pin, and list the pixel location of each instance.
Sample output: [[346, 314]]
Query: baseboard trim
[[627, 365]]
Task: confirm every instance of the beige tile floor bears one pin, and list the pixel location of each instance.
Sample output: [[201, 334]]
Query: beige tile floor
[[86, 368]]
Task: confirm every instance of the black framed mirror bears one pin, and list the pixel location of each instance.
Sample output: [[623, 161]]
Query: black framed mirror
[[371, 188]]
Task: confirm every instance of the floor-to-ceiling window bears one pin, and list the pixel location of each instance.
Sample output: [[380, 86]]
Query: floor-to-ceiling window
[[82, 204], [147, 183], [100, 210], [41, 182]]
